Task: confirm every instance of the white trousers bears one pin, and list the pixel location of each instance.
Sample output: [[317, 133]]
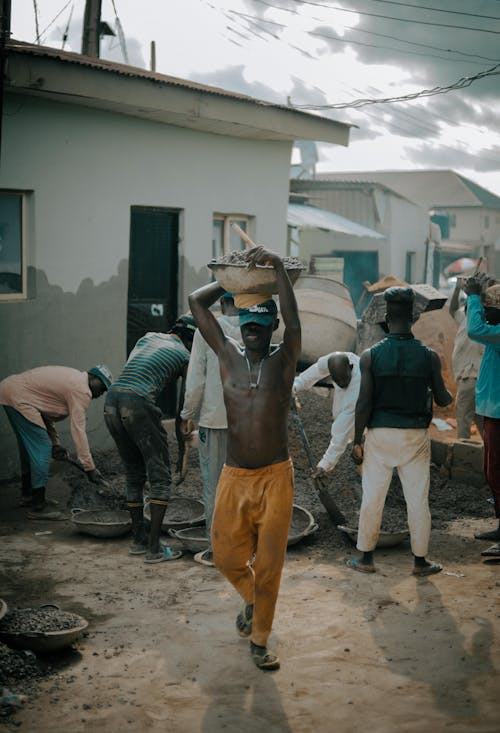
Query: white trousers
[[409, 452]]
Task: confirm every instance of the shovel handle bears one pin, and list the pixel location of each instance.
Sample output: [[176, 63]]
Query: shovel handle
[[249, 243]]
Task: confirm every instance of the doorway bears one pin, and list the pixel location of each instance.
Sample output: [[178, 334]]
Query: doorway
[[153, 279]]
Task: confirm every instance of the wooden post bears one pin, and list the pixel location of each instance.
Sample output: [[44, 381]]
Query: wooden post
[[152, 63], [91, 36]]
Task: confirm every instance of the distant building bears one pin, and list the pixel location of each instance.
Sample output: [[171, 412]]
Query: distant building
[[468, 214], [398, 239]]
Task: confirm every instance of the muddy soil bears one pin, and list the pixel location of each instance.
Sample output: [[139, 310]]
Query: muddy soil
[[387, 652]]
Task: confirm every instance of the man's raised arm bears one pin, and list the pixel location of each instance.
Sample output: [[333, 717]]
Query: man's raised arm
[[199, 302], [288, 304]]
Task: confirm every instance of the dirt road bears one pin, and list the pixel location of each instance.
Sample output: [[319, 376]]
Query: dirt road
[[360, 654], [384, 653]]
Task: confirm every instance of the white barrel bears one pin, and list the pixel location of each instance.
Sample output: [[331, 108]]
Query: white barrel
[[327, 317]]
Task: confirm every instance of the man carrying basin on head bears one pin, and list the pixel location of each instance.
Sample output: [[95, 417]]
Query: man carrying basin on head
[[399, 378], [254, 500], [343, 368], [33, 401], [134, 421], [483, 326]]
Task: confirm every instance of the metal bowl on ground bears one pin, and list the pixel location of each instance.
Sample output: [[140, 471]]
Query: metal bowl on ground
[[193, 539], [101, 522], [302, 525], [181, 513], [385, 539], [239, 278], [45, 641]]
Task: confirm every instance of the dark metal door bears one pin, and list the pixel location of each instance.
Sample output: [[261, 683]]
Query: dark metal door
[[153, 278], [358, 267]]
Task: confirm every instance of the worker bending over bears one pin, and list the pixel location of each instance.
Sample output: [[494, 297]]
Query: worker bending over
[[33, 401], [343, 368]]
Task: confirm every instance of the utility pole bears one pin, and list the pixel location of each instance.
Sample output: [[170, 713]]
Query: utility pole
[[91, 28], [5, 6]]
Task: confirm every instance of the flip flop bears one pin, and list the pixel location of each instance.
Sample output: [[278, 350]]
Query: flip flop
[[355, 564], [264, 659], [431, 569], [244, 620], [493, 551], [164, 556], [491, 561], [48, 516]]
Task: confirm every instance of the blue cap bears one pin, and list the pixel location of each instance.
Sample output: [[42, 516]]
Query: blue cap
[[104, 374], [262, 313], [397, 294]]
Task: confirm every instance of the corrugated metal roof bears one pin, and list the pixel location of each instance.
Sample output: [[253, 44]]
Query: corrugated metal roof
[[125, 70], [440, 188], [164, 79], [310, 217], [339, 181]]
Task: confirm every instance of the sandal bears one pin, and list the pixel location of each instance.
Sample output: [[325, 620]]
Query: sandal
[[263, 658], [164, 555], [244, 620], [431, 569], [355, 564]]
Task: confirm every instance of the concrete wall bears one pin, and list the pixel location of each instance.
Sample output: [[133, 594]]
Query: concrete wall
[[470, 225], [404, 225], [85, 169]]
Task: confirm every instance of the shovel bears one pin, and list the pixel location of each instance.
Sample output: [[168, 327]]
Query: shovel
[[324, 495], [78, 465]]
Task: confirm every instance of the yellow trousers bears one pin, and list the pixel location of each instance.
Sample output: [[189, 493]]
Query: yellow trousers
[[253, 509]]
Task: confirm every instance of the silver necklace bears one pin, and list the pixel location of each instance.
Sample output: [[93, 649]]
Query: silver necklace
[[254, 385]]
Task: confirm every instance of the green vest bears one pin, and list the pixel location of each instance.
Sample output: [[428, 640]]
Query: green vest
[[402, 373]]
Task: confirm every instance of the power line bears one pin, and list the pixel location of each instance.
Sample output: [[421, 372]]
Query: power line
[[121, 34], [438, 10], [66, 30], [463, 82], [39, 35], [379, 15], [347, 41]]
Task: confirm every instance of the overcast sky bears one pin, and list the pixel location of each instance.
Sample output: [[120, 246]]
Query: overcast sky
[[320, 53]]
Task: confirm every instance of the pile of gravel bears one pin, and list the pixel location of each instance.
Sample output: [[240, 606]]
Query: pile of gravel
[[41, 620], [238, 257], [17, 665]]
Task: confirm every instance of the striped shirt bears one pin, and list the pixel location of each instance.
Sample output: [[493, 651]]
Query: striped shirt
[[156, 359]]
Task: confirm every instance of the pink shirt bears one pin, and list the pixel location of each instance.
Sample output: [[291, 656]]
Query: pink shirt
[[56, 392]]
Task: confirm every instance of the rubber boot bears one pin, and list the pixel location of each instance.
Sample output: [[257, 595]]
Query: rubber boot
[[157, 514], [26, 492], [139, 531], [38, 499]]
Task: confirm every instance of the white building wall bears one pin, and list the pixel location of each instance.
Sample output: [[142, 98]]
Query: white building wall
[[85, 168]]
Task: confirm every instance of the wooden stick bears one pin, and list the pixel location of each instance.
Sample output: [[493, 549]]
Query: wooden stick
[[479, 263], [249, 243]]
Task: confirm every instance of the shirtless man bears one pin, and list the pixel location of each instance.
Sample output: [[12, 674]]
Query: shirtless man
[[254, 499]]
